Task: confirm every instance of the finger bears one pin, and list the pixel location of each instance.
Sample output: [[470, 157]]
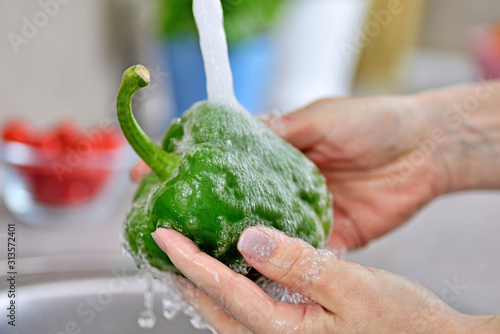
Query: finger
[[139, 171], [316, 274], [338, 246], [276, 122], [297, 128], [214, 315], [233, 292], [346, 234]]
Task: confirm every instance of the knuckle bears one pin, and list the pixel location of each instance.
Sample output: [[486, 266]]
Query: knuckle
[[315, 270], [294, 264], [324, 283]]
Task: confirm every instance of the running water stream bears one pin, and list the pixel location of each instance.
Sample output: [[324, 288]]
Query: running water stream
[[209, 19]]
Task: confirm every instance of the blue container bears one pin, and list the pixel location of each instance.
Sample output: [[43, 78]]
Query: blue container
[[252, 63]]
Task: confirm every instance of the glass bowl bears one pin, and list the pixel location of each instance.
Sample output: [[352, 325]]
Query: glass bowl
[[43, 186]]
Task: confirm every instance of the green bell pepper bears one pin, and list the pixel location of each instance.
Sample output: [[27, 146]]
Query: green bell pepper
[[219, 170]]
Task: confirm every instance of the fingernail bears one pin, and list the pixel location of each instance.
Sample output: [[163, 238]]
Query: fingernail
[[256, 244], [158, 241]]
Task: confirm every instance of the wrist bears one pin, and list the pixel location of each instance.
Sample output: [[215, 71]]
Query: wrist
[[453, 322], [463, 125], [481, 324]]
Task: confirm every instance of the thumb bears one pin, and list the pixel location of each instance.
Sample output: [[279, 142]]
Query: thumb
[[291, 262]]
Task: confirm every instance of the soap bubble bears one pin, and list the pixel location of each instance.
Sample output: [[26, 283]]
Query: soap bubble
[[193, 223]]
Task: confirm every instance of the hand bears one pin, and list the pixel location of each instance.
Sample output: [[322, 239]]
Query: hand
[[348, 298], [369, 150], [384, 158], [359, 145]]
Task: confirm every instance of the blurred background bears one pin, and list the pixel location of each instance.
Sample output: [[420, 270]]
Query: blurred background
[[62, 61]]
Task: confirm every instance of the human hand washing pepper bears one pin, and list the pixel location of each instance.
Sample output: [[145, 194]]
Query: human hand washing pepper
[[219, 170], [346, 297]]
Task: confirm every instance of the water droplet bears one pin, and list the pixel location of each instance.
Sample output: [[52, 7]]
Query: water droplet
[[147, 318], [241, 267], [164, 223], [193, 223], [183, 191], [279, 293], [170, 308]]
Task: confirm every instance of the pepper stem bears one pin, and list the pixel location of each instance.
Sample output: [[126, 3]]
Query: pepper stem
[[161, 162]]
